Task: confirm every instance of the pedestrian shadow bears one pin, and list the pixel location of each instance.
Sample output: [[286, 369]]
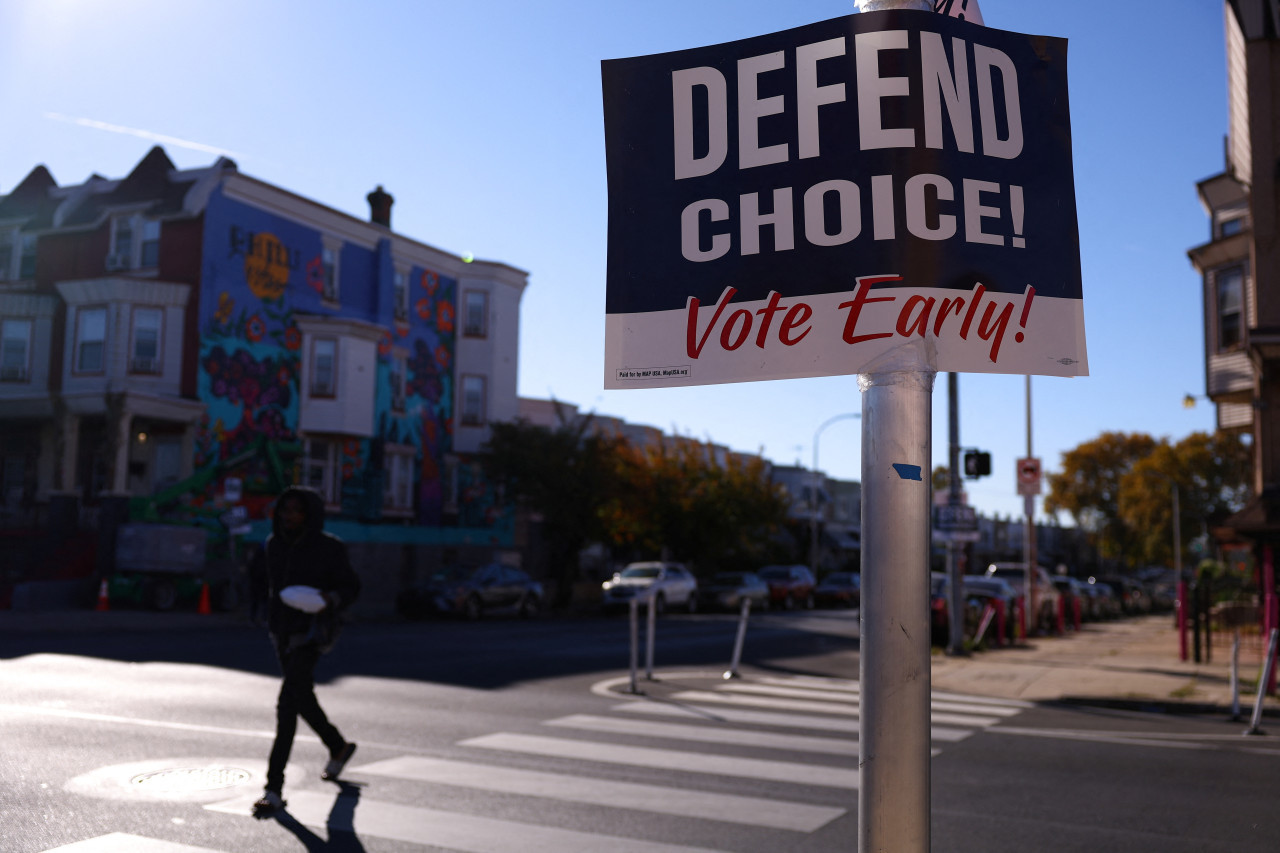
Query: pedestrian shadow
[[340, 824]]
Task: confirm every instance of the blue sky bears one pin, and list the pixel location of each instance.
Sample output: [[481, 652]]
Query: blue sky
[[484, 120]]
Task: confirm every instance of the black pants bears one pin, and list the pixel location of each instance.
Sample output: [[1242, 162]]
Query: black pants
[[298, 698]]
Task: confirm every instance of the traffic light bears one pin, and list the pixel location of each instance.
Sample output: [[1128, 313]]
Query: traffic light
[[977, 463]]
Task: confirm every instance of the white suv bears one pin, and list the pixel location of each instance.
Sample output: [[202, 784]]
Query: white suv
[[670, 584]]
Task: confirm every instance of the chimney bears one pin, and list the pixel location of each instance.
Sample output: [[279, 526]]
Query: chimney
[[380, 203]]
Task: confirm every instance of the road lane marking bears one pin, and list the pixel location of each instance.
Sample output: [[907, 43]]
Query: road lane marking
[[709, 734], [670, 759], [122, 842], [768, 718], [729, 808], [453, 831], [825, 695], [1129, 739]]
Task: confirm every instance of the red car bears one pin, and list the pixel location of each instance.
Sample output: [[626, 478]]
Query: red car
[[789, 585]]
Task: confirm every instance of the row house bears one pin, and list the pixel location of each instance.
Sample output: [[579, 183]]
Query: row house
[[1240, 264], [187, 340]]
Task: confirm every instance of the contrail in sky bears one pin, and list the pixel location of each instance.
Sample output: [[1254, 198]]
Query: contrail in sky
[[144, 134]]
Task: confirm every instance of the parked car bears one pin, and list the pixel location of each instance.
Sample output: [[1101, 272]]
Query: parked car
[[726, 591], [1106, 604], [789, 585], [1075, 596], [670, 584], [1046, 594], [839, 589], [473, 593], [981, 591], [1133, 597]]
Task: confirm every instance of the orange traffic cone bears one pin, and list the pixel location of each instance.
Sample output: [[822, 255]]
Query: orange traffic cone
[[204, 600], [104, 602]]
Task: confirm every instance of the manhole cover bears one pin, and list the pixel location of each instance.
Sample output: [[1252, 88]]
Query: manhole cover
[[182, 780]]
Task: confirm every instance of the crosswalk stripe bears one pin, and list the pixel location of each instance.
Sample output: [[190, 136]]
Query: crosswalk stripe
[[729, 808], [826, 695], [123, 842], [452, 830], [710, 734], [768, 718], [670, 759], [813, 682], [946, 718], [984, 700]]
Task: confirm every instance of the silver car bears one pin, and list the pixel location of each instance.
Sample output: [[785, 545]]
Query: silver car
[[670, 584]]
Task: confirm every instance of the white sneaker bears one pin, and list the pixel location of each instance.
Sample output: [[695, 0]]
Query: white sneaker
[[269, 803], [335, 765]]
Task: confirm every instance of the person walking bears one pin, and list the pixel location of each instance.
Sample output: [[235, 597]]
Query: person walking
[[310, 583]]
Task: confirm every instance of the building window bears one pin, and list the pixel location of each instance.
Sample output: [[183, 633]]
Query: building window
[[400, 296], [7, 239], [329, 265], [121, 256], [144, 352], [1230, 286], [397, 487], [475, 314], [27, 258], [15, 350], [396, 379], [324, 367], [150, 244], [91, 340], [473, 399], [1231, 227], [322, 469]]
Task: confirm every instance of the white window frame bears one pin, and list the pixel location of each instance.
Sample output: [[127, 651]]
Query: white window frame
[[479, 328], [399, 461], [324, 474], [314, 387], [1219, 276], [121, 258], [16, 372], [472, 406], [78, 353], [153, 365]]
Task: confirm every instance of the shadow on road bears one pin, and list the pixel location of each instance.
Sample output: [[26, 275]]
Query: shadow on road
[[484, 655]]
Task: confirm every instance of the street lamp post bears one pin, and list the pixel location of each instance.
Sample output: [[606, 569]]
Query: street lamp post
[[813, 490]]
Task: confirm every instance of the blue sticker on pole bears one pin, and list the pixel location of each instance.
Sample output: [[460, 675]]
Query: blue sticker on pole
[[907, 472]]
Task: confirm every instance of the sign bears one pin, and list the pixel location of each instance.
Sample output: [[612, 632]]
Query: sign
[[965, 10], [955, 523], [801, 203], [1028, 477], [232, 489]]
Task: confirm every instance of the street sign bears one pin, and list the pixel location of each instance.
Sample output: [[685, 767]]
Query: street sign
[[805, 202], [955, 523], [1028, 477]]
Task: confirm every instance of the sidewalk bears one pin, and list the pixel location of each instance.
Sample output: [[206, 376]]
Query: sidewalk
[[1131, 662]]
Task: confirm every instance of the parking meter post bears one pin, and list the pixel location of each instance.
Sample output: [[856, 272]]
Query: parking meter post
[[1000, 626], [743, 614], [893, 797], [1181, 607], [635, 641], [1254, 725], [650, 622], [1235, 677], [955, 583]]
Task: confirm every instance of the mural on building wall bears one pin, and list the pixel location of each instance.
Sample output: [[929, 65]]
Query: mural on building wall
[[260, 273]]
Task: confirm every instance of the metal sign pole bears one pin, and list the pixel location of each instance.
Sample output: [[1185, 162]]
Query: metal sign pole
[[893, 797], [897, 422]]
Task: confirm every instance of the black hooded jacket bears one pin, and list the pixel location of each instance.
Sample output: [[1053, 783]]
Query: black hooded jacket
[[315, 558]]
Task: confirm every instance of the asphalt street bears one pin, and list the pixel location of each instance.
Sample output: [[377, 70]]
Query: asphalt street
[[524, 736]]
